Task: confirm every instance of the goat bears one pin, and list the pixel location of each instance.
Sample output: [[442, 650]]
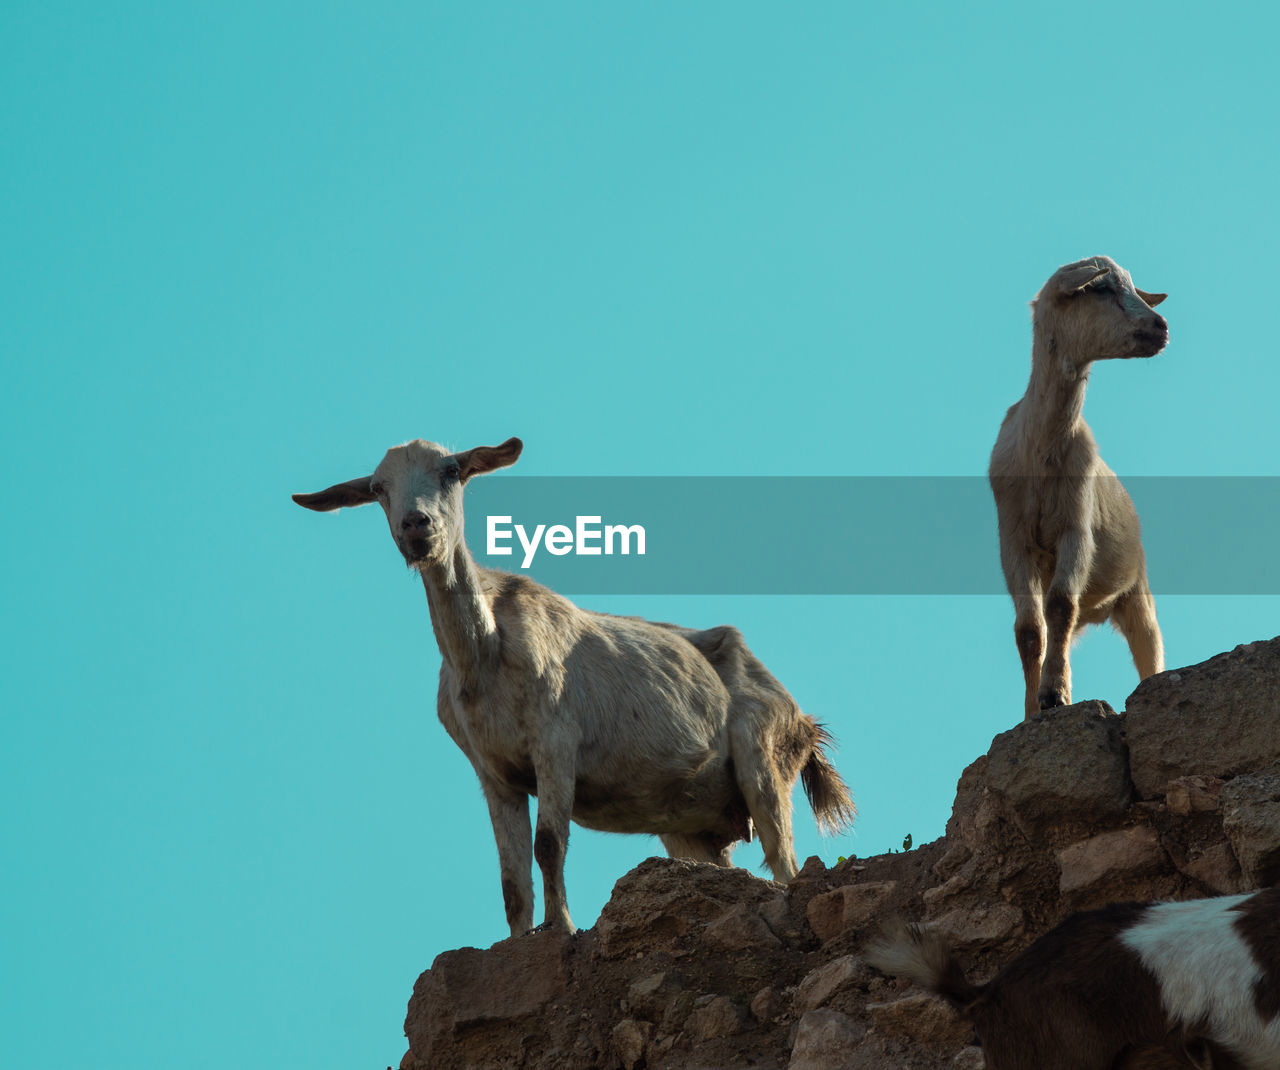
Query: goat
[[1070, 542], [619, 723], [1179, 1052], [1133, 985]]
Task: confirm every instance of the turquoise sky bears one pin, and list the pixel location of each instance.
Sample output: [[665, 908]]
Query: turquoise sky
[[247, 247]]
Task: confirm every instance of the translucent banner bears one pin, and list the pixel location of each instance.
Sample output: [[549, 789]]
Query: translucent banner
[[840, 535]]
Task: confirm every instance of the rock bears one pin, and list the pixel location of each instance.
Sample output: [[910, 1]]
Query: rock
[[826, 914], [1126, 852], [821, 984], [776, 913], [766, 1005], [661, 902], [657, 1049], [1061, 764], [813, 869], [957, 885], [629, 1039], [1192, 794], [1251, 820], [956, 856], [923, 1019], [652, 995], [824, 1040], [677, 1013], [973, 814], [983, 924], [1039, 828], [1218, 718], [1216, 867], [848, 906], [513, 980], [717, 1018], [739, 928]]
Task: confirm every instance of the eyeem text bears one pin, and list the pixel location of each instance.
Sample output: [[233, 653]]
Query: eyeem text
[[588, 536]]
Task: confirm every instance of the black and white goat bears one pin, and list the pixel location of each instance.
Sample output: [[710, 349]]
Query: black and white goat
[[1133, 986]]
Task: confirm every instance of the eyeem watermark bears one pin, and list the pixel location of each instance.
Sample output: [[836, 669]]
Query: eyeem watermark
[[588, 537], [840, 535]]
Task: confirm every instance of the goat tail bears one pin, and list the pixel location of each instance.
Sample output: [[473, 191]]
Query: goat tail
[[833, 808], [925, 957]]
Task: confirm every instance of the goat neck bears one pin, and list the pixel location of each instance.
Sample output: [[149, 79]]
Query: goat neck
[[461, 615], [1051, 412]]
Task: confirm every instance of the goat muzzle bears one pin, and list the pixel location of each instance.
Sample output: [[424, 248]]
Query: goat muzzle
[[1148, 341]]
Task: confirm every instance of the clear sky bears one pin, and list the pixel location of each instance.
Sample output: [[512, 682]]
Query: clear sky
[[247, 247]]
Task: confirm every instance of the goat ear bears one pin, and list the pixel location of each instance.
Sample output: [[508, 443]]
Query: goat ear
[[1151, 299], [486, 458], [1073, 279], [352, 492]]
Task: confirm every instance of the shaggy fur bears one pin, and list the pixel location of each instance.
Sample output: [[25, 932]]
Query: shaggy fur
[[619, 723], [1134, 986], [1070, 544]]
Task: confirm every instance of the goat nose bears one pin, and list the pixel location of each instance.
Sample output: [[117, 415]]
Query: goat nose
[[415, 522]]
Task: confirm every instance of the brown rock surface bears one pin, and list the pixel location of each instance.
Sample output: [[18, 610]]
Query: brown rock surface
[[630, 1038], [1251, 819], [852, 905], [1217, 868], [1061, 764], [662, 901], [1193, 794], [823, 983], [692, 966], [1109, 856], [981, 925], [739, 927], [825, 1041], [924, 1019], [1218, 718], [718, 1017]]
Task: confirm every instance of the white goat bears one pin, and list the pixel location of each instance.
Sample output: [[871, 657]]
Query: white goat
[[621, 724], [1133, 985], [1070, 543]]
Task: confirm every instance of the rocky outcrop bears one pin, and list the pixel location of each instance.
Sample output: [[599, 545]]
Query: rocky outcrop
[[1219, 718], [1251, 819], [691, 965]]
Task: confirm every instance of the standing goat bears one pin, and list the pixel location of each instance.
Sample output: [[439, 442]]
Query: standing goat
[[621, 724], [1133, 985], [1070, 543]]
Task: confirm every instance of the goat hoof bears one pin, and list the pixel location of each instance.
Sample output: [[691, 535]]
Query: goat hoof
[[1051, 700], [550, 926]]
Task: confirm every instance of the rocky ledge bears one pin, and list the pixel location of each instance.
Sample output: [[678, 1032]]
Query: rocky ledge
[[693, 966]]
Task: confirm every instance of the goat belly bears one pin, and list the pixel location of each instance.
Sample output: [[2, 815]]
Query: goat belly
[[656, 806]]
